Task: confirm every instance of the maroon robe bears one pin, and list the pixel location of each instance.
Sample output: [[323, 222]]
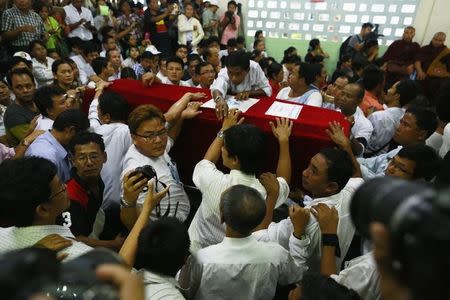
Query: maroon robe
[[399, 55]]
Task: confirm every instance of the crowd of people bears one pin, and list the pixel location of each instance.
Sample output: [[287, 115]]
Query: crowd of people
[[73, 180]]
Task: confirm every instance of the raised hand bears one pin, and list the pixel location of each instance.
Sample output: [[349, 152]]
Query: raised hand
[[232, 119], [133, 184], [221, 109], [270, 182], [152, 199], [327, 217], [191, 111], [299, 217], [282, 130], [337, 135]]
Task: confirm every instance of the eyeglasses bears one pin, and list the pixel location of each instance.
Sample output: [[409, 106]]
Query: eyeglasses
[[84, 158], [63, 190], [152, 136]]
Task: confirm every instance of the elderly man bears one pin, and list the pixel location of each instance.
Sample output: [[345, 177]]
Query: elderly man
[[21, 25], [432, 64], [400, 57]]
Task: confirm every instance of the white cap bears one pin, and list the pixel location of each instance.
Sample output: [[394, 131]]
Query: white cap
[[152, 49], [213, 2], [23, 54]]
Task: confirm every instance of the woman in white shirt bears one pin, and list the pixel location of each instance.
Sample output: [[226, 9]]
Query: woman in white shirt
[[42, 64], [299, 89], [190, 31]]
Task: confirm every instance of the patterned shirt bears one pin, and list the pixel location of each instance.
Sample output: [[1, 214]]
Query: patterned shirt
[[14, 18], [123, 22]]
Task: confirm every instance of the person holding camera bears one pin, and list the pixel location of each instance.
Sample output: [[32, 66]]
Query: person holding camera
[[229, 23], [153, 134]]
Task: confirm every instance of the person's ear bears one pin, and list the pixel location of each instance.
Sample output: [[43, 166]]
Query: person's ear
[[423, 135], [332, 188], [235, 162], [42, 211], [105, 157]]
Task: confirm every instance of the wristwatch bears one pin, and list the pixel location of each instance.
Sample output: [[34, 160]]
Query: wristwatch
[[220, 134], [25, 143], [125, 204], [217, 99]]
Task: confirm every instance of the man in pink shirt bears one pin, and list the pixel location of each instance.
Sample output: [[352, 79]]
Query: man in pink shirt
[[230, 23]]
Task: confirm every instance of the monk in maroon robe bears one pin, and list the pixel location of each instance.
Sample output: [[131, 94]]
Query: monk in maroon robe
[[400, 57], [424, 59]]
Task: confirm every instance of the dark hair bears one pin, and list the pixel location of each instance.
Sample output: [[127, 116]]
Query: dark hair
[[143, 113], [232, 2], [75, 42], [181, 46], [258, 32], [25, 184], [163, 246], [89, 47], [264, 63], [232, 42], [288, 53], [313, 44], [105, 29], [15, 60], [39, 5], [19, 72], [369, 44], [339, 166], [35, 42], [69, 118], [247, 143], [366, 25], [43, 97], [255, 53], [127, 72], [238, 59], [198, 68], [321, 287], [408, 90], [212, 39], [206, 53], [442, 102], [240, 40], [294, 59], [256, 42], [106, 38], [175, 59], [274, 69], [84, 138], [99, 64], [343, 59], [337, 74], [372, 77], [425, 119], [113, 104], [312, 71], [57, 63], [242, 208], [193, 57], [426, 159], [358, 64]]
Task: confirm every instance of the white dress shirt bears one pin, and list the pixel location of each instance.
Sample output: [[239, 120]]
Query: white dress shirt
[[44, 123], [73, 16], [85, 68], [14, 238], [281, 232], [206, 228], [376, 166], [43, 72], [361, 275], [167, 173], [129, 62], [362, 128], [241, 268], [384, 124], [117, 139], [445, 141], [311, 97], [160, 287], [254, 80], [166, 80], [435, 141]]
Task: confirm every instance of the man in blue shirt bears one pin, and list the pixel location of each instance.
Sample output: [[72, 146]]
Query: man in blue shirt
[[51, 145]]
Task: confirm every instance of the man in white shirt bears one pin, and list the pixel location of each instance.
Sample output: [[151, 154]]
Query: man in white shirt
[[51, 100], [243, 78], [386, 121], [242, 150], [152, 140], [327, 179], [175, 67], [240, 266], [34, 197], [347, 102], [80, 20], [205, 74], [83, 61]]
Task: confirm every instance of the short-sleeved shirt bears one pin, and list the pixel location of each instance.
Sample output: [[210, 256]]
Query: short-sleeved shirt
[[311, 97], [73, 16], [229, 32], [14, 18]]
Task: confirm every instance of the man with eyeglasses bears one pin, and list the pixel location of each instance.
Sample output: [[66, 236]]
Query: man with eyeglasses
[[85, 218], [205, 75], [153, 134]]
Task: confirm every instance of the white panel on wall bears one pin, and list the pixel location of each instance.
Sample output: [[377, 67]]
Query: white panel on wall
[[377, 8], [275, 14], [379, 20], [272, 4], [349, 6]]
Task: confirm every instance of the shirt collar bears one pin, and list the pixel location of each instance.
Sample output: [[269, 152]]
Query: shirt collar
[[327, 200], [239, 242], [52, 140]]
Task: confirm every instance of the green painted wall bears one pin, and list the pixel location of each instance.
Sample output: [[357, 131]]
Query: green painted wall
[[276, 47]]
